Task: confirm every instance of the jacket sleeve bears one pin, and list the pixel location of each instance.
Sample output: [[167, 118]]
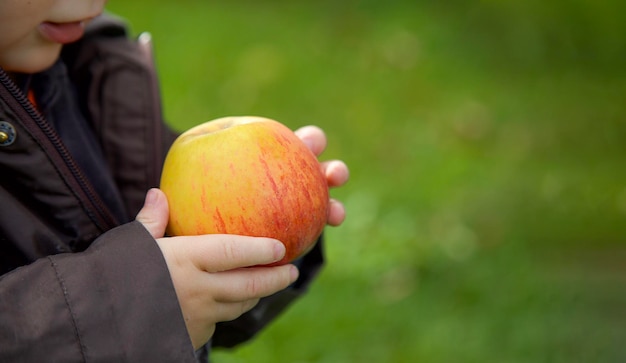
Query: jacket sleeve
[[115, 302], [232, 333]]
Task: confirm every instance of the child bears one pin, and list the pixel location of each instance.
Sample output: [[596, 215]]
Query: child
[[81, 146]]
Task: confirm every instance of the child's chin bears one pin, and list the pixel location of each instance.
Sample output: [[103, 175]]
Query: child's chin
[[36, 60]]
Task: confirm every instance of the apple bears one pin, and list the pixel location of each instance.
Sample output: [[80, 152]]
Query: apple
[[246, 175]]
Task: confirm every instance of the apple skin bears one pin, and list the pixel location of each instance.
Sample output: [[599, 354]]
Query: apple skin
[[249, 176]]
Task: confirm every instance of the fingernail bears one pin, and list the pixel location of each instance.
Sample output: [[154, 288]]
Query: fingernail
[[308, 142], [279, 251], [294, 273], [151, 197]]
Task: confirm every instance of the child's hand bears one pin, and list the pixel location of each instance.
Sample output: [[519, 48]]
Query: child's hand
[[208, 271], [211, 273], [336, 171]]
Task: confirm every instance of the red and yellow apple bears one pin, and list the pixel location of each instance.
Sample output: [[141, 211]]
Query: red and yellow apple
[[248, 176]]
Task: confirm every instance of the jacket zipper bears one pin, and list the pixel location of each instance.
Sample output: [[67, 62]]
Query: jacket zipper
[[52, 145]]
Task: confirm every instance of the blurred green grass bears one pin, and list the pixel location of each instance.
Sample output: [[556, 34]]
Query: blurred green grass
[[487, 201]]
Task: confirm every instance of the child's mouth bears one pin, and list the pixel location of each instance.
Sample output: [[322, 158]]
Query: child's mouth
[[62, 33]]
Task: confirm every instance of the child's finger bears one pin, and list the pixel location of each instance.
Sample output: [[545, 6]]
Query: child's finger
[[252, 283], [231, 311], [155, 213], [313, 137], [337, 213], [336, 171], [222, 252]]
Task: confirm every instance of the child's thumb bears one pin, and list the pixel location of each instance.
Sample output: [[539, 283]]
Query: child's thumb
[[155, 213]]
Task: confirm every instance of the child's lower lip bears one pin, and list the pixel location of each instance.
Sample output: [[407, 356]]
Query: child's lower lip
[[62, 33]]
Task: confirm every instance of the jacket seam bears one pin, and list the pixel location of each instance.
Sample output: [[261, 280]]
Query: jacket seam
[[69, 308]]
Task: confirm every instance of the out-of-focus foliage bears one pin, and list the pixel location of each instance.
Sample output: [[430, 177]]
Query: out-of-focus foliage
[[486, 141]]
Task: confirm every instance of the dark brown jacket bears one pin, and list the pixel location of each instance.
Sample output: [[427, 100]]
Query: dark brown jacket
[[78, 284]]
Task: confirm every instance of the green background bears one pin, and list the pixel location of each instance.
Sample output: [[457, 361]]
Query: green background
[[487, 200]]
